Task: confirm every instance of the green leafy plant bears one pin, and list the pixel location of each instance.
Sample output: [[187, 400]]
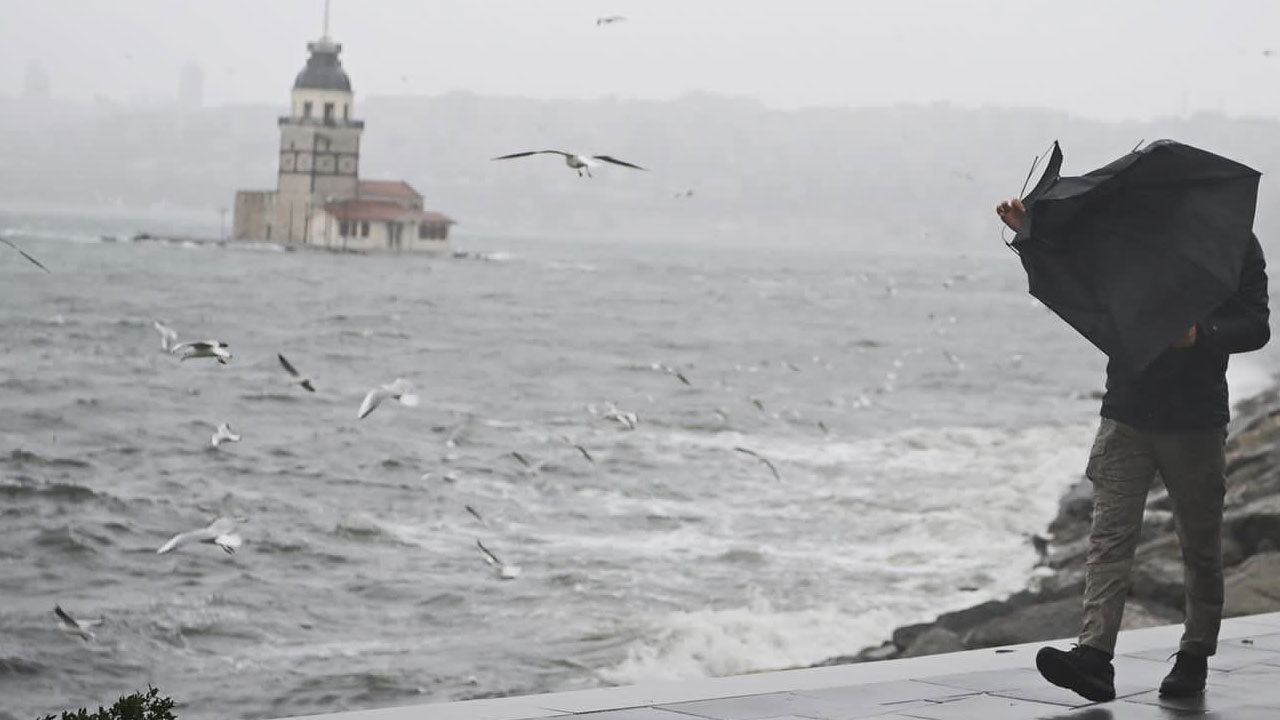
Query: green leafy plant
[[138, 706]]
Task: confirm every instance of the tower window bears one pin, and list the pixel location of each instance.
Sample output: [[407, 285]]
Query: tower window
[[306, 109], [346, 111], [328, 112], [364, 228]]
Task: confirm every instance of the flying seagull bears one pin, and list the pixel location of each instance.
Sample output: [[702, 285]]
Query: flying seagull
[[400, 389], [476, 515], [671, 371], [609, 20], [581, 163], [222, 435], [168, 336], [304, 382], [579, 448], [501, 569], [628, 420], [25, 255], [762, 459], [221, 532], [203, 349], [72, 626]]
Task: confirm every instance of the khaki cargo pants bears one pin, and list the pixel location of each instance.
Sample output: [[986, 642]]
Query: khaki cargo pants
[[1122, 465]]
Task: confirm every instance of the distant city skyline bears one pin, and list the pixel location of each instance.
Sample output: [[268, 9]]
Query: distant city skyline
[[1136, 59]]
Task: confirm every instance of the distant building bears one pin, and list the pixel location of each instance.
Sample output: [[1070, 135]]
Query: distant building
[[191, 86], [319, 198]]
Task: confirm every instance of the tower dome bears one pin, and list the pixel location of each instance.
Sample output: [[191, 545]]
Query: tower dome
[[324, 70]]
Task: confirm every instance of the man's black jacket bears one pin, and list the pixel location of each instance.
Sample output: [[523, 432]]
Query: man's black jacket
[[1186, 388]]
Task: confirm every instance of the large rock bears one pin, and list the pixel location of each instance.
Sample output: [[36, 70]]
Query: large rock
[[1138, 615], [934, 641], [1075, 510], [1049, 621], [1158, 579], [1253, 587], [1256, 526]]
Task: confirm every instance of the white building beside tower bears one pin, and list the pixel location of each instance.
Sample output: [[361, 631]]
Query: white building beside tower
[[319, 199]]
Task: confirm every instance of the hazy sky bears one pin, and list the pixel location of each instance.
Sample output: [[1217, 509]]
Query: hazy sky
[[1099, 58]]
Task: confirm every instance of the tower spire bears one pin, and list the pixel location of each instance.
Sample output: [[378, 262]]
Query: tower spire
[[325, 35]]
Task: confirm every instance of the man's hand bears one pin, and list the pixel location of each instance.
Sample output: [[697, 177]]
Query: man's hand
[[1186, 340], [1012, 213]]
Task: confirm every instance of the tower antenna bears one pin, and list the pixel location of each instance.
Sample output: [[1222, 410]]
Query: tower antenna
[[326, 20]]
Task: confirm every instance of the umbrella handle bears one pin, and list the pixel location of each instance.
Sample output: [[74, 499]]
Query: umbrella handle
[[1035, 162]]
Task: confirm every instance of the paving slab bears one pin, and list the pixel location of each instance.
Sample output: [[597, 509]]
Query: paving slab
[[1229, 656], [1261, 641], [986, 707], [756, 707]]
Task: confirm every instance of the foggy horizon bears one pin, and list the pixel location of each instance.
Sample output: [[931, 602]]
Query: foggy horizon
[[1139, 61]]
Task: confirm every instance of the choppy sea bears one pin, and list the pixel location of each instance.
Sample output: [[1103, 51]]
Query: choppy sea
[[923, 412]]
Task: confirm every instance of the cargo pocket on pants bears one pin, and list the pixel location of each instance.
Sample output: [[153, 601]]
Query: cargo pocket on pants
[[1101, 442]]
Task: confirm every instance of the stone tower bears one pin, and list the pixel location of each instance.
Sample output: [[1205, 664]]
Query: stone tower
[[319, 141]]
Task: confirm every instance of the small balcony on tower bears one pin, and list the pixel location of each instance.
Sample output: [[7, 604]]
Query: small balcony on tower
[[321, 122]]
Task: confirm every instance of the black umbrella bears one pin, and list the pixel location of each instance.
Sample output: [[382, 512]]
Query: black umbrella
[[1134, 253]]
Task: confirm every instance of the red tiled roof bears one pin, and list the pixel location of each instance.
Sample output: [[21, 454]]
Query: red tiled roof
[[387, 188], [383, 211]]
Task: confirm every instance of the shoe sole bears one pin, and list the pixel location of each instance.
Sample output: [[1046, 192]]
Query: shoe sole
[[1065, 676], [1181, 693]]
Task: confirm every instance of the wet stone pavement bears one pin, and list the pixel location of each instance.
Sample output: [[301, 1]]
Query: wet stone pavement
[[990, 684]]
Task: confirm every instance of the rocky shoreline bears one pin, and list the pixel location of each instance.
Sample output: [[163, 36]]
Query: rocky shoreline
[[1050, 607]]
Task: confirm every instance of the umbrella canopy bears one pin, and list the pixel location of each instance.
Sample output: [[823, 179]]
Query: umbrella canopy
[[1134, 253]]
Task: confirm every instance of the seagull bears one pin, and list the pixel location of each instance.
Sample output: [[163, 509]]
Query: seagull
[[71, 626], [24, 254], [577, 162], [400, 389], [578, 447], [221, 532], [223, 434], [304, 382], [521, 458], [628, 420], [476, 515], [759, 405], [501, 569], [203, 349], [671, 371], [609, 20], [762, 459], [168, 336]]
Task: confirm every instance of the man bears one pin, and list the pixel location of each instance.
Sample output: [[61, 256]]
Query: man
[[1169, 418]]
